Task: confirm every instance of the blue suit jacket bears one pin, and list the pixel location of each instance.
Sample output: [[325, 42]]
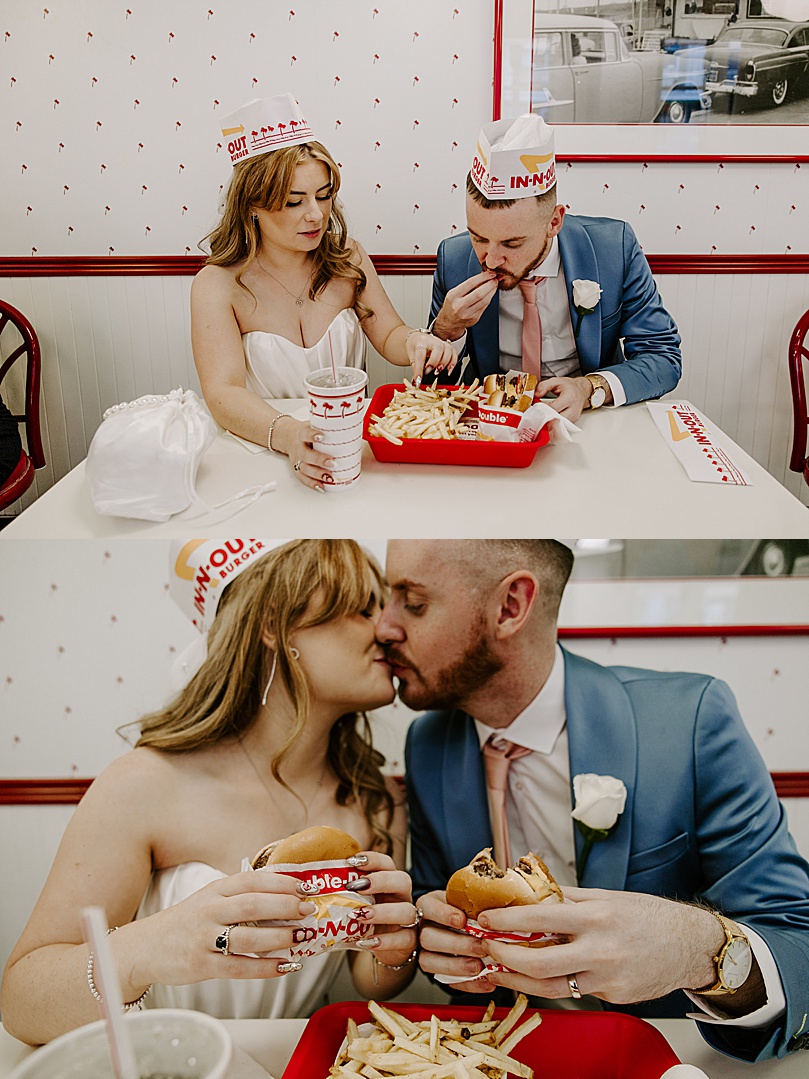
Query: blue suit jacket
[[701, 818], [592, 249]]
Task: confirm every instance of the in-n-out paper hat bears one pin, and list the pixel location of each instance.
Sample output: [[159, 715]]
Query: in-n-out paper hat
[[514, 158], [199, 570], [265, 124]]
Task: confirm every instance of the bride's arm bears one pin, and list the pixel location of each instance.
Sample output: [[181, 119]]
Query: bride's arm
[[219, 358], [390, 336]]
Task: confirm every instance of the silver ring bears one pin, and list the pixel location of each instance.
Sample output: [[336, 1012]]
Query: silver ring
[[417, 921], [222, 942], [575, 992], [297, 466]]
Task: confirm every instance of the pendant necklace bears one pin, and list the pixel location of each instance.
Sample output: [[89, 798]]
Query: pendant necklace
[[266, 787], [298, 299]]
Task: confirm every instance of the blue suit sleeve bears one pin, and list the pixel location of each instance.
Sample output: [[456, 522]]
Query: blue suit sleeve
[[429, 869], [440, 287], [653, 362], [756, 875]]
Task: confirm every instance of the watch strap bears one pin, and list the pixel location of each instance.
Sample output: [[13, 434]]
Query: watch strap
[[732, 932]]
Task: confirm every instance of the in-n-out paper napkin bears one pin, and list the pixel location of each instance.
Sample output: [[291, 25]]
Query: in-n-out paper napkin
[[701, 448]]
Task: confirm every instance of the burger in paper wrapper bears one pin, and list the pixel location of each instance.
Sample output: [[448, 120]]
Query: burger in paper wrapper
[[319, 859], [483, 885], [504, 399]]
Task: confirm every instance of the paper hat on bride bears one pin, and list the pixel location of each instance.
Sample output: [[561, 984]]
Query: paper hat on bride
[[200, 569], [263, 125], [514, 158]]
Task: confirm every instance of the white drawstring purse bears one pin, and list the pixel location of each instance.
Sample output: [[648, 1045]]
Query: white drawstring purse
[[144, 457]]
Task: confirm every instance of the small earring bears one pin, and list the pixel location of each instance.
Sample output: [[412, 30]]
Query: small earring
[[272, 675], [294, 653], [254, 218]]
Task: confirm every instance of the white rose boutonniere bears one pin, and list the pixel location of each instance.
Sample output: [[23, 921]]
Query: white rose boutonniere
[[586, 295], [599, 802]]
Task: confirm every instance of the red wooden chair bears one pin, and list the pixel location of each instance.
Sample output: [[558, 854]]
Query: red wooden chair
[[23, 475], [798, 352]]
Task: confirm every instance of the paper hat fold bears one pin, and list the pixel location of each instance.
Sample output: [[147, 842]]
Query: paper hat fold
[[514, 158], [263, 125], [199, 570]]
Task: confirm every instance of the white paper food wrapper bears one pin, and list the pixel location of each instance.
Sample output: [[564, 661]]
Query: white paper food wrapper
[[489, 965], [506, 425], [334, 924]]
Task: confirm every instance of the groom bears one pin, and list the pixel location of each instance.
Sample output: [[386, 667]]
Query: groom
[[569, 299], [698, 886]]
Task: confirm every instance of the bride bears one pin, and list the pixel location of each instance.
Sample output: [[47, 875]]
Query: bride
[[264, 741], [284, 286]]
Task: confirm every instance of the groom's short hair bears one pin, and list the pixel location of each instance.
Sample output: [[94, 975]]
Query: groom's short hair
[[490, 560]]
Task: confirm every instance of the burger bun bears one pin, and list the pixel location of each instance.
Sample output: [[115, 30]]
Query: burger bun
[[318, 844]]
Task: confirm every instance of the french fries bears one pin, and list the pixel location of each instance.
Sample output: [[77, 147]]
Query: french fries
[[424, 413], [435, 1049]]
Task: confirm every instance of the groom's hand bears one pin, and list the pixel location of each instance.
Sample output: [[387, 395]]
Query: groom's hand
[[464, 304], [444, 948]]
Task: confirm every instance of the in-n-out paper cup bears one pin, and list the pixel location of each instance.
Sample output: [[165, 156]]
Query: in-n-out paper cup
[[338, 412], [167, 1041]]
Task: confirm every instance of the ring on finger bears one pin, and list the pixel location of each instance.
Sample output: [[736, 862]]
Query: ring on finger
[[297, 466], [222, 942], [416, 921], [575, 992]]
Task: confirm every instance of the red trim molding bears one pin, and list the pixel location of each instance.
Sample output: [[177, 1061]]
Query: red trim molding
[[71, 791], [403, 265], [600, 632]]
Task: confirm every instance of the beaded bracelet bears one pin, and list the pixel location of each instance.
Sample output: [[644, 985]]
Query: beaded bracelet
[[280, 416], [133, 1004], [399, 966], [419, 329]]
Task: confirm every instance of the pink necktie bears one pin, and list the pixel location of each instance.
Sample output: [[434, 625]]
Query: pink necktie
[[497, 759], [531, 327]]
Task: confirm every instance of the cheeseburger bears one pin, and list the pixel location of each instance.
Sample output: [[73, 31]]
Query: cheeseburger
[[319, 844], [483, 885]]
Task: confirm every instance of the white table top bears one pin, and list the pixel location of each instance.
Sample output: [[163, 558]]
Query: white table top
[[270, 1042], [618, 479]]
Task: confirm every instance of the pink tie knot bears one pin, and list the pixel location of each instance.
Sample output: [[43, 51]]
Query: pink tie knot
[[528, 288], [497, 758]]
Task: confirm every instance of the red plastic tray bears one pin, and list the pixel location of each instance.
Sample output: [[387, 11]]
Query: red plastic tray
[[441, 451], [566, 1045]]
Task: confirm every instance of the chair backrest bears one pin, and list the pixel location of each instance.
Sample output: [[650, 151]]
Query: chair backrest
[[10, 316], [798, 354]]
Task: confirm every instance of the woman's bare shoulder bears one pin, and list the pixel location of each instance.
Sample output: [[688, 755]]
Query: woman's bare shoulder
[[215, 281], [145, 772]]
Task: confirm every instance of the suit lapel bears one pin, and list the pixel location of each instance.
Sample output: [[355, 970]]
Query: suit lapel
[[464, 801], [579, 263], [601, 739], [486, 332]]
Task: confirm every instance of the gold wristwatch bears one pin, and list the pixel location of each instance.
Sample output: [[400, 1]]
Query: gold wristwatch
[[598, 394], [733, 962]]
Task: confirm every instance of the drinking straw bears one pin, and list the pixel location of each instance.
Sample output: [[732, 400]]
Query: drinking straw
[[94, 923], [333, 365]]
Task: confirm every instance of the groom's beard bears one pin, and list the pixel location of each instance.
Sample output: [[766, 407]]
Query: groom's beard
[[449, 686]]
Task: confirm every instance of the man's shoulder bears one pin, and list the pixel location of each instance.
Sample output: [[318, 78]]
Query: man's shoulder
[[440, 724], [641, 679], [600, 227], [456, 245]]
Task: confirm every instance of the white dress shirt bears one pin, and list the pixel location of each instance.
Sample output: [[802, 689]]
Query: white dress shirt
[[538, 807]]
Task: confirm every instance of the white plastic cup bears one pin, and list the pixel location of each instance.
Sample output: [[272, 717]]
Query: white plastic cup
[[168, 1042], [338, 412]]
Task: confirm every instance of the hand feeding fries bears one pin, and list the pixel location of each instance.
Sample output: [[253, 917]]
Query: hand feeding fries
[[428, 412], [435, 1049]]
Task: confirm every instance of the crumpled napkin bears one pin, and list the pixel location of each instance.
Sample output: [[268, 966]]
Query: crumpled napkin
[[540, 415]]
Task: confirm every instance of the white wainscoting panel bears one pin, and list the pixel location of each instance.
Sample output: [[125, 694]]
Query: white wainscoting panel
[[106, 340]]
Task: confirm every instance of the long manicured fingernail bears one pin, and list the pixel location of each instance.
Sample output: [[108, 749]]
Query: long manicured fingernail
[[319, 489], [364, 912], [317, 438], [306, 888], [307, 908], [361, 884], [288, 968], [330, 463], [369, 942], [358, 859]]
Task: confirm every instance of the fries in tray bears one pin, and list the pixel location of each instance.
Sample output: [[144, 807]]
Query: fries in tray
[[426, 413], [433, 1048]]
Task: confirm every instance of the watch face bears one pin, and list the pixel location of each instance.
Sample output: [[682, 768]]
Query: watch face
[[736, 963], [598, 397]]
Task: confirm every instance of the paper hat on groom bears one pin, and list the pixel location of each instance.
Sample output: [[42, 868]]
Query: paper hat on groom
[[263, 125], [514, 158]]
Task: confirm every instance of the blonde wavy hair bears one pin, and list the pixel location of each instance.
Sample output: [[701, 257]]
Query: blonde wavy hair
[[300, 584], [266, 181]]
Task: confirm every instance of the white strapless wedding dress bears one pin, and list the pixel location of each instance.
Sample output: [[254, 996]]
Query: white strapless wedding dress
[[277, 367], [292, 996]]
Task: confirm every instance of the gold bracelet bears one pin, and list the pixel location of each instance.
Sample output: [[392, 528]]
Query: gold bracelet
[[133, 1004], [280, 416], [399, 966]]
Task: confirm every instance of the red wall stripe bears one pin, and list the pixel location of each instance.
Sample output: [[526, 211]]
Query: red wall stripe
[[591, 632], [405, 265], [71, 791]]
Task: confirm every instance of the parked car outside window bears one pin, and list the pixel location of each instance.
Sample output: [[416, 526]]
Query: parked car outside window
[[761, 61]]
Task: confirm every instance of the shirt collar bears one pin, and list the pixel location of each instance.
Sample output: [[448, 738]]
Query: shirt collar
[[539, 725], [551, 264]]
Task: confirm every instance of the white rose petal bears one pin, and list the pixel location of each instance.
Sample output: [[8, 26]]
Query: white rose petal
[[600, 800], [586, 294]]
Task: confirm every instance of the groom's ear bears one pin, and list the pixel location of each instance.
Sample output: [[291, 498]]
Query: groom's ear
[[516, 595]]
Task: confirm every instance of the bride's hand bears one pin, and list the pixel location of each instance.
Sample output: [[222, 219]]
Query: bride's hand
[[299, 441], [428, 353], [393, 917], [185, 949]]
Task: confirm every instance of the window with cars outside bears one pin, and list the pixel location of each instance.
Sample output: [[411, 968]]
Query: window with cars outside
[[548, 51], [594, 47]]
